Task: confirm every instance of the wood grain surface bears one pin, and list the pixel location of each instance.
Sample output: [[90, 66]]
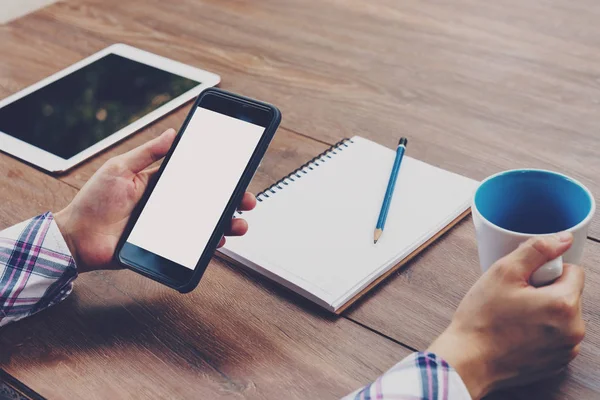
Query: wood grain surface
[[26, 192], [123, 336], [477, 87]]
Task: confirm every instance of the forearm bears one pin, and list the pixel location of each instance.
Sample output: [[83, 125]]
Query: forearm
[[419, 376], [36, 268]]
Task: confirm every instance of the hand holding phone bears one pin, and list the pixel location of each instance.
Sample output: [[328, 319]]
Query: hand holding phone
[[172, 234], [93, 222]]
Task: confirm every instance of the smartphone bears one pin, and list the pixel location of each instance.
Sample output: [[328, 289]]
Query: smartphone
[[176, 227]]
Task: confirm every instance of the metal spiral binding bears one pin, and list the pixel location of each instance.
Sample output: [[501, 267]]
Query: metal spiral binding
[[302, 170]]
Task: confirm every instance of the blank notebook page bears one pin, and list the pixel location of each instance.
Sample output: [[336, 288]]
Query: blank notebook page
[[315, 235]]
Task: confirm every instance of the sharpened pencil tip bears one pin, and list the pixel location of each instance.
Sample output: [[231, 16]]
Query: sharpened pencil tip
[[377, 235]]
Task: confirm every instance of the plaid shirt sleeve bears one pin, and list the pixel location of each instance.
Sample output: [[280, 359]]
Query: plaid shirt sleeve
[[36, 268], [420, 376]]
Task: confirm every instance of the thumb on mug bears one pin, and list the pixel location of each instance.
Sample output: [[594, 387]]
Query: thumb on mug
[[537, 251]]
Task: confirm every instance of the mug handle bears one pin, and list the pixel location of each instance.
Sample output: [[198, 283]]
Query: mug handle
[[547, 273]]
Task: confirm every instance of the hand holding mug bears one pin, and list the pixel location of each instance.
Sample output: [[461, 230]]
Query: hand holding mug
[[506, 332], [513, 206]]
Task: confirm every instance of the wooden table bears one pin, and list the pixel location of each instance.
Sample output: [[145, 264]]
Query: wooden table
[[477, 86]]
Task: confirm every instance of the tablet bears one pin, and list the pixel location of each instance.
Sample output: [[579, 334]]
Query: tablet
[[81, 110]]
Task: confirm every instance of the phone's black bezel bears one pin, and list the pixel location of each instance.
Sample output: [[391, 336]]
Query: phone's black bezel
[[168, 272]]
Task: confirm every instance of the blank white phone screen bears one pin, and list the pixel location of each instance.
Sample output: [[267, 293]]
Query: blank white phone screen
[[195, 186]]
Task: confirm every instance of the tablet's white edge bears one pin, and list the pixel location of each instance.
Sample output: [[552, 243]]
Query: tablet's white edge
[[53, 163]]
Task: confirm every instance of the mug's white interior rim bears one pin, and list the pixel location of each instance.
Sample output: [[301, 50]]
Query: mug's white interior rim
[[527, 235]]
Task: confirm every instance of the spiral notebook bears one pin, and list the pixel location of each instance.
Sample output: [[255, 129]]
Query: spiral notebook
[[312, 232]]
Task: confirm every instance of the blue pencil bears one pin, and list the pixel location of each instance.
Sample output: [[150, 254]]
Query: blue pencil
[[387, 200]]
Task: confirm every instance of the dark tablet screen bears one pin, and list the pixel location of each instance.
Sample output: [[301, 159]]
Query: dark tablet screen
[[90, 104]]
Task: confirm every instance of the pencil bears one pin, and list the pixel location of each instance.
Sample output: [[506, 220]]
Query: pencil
[[387, 200]]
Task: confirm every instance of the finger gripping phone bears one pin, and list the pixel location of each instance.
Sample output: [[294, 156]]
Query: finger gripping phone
[[175, 229]]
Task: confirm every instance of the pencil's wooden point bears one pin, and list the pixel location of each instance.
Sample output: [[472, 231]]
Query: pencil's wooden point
[[377, 235]]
